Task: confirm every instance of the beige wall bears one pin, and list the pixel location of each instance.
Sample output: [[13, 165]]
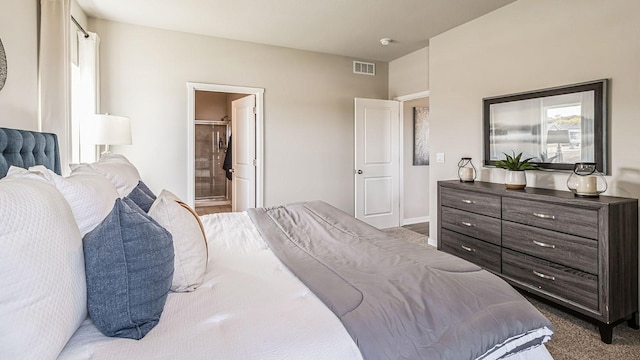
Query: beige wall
[[535, 44], [409, 74], [415, 178], [308, 106], [210, 105], [19, 35]]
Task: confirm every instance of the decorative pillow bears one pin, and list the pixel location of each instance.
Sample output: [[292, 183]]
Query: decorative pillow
[[90, 195], [43, 297], [142, 196], [129, 266], [15, 171], [115, 167], [189, 241]]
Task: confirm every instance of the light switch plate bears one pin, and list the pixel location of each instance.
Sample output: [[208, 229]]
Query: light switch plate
[[440, 157]]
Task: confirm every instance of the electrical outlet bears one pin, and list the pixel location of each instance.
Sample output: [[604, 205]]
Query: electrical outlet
[[440, 157]]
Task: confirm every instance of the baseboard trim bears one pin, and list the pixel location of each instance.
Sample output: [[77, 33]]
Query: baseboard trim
[[416, 220], [208, 202], [432, 242]]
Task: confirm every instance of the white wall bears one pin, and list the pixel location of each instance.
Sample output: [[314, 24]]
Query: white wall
[[535, 44], [308, 106], [19, 35]]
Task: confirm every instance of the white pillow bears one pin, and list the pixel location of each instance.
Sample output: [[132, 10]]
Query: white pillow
[[116, 168], [43, 299], [15, 171], [90, 195], [189, 242]]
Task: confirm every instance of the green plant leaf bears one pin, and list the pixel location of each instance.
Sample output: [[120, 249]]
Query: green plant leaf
[[515, 163]]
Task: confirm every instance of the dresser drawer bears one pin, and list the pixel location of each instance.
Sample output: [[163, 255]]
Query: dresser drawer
[[476, 251], [478, 203], [562, 281], [573, 251], [563, 218], [475, 225]]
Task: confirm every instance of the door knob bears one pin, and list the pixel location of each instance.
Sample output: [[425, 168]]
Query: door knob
[[231, 170], [359, 172]]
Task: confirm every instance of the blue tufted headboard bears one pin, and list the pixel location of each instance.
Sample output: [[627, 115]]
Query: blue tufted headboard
[[26, 148]]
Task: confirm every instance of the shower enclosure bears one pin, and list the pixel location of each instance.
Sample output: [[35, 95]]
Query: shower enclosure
[[211, 185]]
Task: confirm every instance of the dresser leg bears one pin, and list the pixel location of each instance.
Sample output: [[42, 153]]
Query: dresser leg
[[633, 322], [606, 333]]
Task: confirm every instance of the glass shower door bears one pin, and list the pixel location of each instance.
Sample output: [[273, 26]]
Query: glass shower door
[[211, 146]]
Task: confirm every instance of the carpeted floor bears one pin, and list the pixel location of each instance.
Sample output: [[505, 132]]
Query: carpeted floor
[[574, 339], [409, 235]]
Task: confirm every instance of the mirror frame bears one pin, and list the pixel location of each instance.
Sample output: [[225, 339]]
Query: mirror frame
[[600, 88]]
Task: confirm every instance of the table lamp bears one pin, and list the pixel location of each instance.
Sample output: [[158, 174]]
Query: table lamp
[[112, 130]]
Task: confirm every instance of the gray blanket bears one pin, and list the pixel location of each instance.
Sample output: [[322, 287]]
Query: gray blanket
[[396, 299]]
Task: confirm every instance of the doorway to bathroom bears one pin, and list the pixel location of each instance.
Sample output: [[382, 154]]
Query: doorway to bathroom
[[224, 174]]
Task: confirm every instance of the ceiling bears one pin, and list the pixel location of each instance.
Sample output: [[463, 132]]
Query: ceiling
[[350, 28]]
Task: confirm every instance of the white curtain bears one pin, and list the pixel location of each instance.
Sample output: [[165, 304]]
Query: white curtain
[[54, 74], [88, 94]]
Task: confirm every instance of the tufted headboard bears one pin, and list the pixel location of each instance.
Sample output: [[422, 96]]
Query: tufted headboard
[[26, 148]]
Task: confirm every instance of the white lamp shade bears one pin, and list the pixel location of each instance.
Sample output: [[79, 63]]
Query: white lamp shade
[[112, 130]]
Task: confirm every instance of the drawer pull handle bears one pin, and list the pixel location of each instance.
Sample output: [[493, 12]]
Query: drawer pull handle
[[544, 216], [467, 224], [468, 201], [548, 277], [466, 248], [544, 245]]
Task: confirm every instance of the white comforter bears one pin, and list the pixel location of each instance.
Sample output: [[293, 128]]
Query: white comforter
[[249, 307]]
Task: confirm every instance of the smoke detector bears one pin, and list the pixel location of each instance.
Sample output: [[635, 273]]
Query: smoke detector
[[385, 41]]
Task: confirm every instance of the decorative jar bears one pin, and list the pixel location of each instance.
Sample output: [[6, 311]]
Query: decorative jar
[[466, 171], [586, 180]]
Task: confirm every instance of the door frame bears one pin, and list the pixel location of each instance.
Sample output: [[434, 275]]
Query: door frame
[[192, 87], [402, 99]]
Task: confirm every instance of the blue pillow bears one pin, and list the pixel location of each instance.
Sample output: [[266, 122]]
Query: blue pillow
[[142, 196], [129, 268]]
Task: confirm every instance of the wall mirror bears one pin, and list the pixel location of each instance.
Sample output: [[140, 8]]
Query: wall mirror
[[556, 127]]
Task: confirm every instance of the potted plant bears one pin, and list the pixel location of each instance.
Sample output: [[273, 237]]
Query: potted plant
[[514, 164]]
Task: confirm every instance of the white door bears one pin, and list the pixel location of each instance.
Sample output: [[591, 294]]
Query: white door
[[243, 153], [377, 162]]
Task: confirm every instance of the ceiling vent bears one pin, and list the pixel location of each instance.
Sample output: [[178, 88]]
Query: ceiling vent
[[364, 68]]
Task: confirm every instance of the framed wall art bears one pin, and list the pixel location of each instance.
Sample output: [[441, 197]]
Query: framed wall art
[[420, 136], [3, 66]]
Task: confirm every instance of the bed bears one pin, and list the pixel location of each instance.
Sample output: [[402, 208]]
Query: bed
[[267, 288]]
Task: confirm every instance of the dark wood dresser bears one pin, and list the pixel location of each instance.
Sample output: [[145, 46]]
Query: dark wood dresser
[[580, 253]]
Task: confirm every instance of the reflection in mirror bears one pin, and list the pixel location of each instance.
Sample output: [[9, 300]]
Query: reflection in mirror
[[556, 127]]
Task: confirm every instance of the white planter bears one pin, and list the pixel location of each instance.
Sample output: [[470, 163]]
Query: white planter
[[515, 180]]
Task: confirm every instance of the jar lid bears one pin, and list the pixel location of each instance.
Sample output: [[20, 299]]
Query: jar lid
[[584, 168]]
